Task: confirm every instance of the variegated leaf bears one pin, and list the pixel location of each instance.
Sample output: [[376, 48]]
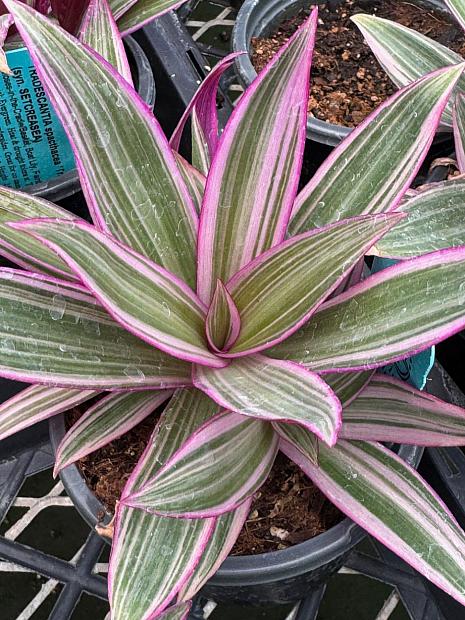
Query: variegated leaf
[[146, 299], [220, 466], [200, 154], [457, 8], [435, 221], [273, 390], [404, 53], [223, 322], [107, 420], [194, 180], [387, 497], [178, 612], [394, 313], [347, 385], [392, 410], [37, 403], [301, 438], [136, 192], [293, 278], [20, 247], [372, 168], [133, 14], [153, 557], [255, 172], [54, 332], [100, 32], [203, 103], [458, 122], [227, 528]]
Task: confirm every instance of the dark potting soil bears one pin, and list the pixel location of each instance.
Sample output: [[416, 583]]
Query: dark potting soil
[[347, 81], [287, 510]]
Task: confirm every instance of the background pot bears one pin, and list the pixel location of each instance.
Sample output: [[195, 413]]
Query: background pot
[[68, 184], [271, 578], [259, 18]]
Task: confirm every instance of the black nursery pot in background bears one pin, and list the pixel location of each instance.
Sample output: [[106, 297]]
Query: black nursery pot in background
[[278, 577], [36, 105], [259, 18]]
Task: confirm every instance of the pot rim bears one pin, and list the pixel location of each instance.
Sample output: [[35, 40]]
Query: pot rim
[[258, 16], [248, 569]]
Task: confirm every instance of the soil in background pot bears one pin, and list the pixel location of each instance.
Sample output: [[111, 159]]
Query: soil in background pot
[[286, 511], [347, 81]]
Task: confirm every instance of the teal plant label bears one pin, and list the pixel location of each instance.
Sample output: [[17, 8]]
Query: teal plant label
[[33, 143], [415, 369]]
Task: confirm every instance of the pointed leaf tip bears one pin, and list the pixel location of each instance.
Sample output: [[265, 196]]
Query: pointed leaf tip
[[223, 321]]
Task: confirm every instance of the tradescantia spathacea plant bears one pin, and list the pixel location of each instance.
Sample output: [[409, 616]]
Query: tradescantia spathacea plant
[[231, 299]]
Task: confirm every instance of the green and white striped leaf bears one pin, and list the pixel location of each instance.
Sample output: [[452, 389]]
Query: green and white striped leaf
[[144, 298], [373, 167], [404, 53], [128, 173], [301, 438], [223, 322], [55, 333], [194, 180], [107, 420], [178, 612], [100, 32], [221, 465], [394, 313], [153, 557], [273, 390], [457, 8], [134, 14], [293, 278], [458, 122], [36, 403], [347, 385], [435, 221], [255, 171], [387, 497], [200, 154], [21, 248], [391, 410], [228, 526]]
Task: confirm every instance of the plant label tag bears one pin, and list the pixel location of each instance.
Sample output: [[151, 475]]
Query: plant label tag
[[33, 144], [415, 369]]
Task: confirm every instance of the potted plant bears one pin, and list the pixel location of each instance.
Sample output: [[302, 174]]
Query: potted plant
[[348, 82], [35, 152], [214, 297]]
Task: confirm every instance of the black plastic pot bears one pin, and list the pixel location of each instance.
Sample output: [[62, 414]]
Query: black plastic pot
[[259, 18], [68, 184], [272, 578]]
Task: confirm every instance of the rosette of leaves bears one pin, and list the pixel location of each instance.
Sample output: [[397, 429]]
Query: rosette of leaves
[[237, 302]]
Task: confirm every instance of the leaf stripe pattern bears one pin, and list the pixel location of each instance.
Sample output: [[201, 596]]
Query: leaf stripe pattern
[[220, 466], [100, 32], [147, 300], [153, 557], [435, 221], [147, 206], [54, 332], [178, 612], [223, 323], [353, 179], [393, 314], [21, 248], [273, 390], [36, 403], [347, 385], [255, 172], [194, 180], [362, 478], [107, 420], [290, 280], [227, 529], [142, 12], [458, 123], [391, 410], [406, 54]]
